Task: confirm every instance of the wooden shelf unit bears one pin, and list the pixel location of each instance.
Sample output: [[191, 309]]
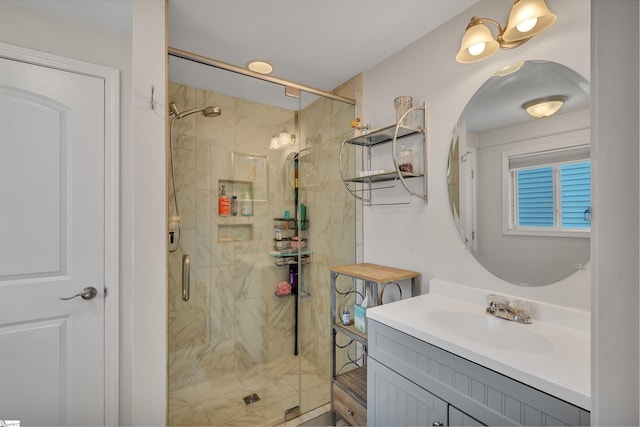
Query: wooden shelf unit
[[349, 389]]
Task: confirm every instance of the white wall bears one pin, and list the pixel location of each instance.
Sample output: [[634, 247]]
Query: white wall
[[423, 237], [615, 327], [146, 174]]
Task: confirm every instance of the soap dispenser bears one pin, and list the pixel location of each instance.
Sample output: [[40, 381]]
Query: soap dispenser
[[246, 208]]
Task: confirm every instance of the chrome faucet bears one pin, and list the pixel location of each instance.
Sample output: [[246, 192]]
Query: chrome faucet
[[501, 307]]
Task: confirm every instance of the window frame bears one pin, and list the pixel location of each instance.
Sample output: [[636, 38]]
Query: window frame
[[509, 209]]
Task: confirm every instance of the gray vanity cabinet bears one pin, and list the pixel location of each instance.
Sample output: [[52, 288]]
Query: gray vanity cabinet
[[459, 418], [411, 382], [399, 402]]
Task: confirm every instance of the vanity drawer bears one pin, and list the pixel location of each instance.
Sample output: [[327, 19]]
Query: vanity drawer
[[348, 408], [486, 395]]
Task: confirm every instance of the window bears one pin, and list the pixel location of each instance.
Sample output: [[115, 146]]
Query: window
[[550, 193]]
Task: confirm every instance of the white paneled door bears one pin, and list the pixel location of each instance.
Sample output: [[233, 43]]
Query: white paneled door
[[52, 223]]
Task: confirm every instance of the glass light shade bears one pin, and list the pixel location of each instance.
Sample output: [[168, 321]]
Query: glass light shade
[[285, 139], [475, 38], [275, 143], [527, 18], [540, 108], [508, 69]]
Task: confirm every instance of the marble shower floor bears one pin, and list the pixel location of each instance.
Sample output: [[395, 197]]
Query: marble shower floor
[[219, 402]]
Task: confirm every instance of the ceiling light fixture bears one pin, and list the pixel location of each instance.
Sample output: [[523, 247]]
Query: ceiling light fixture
[[527, 18], [507, 70], [261, 67], [544, 107], [283, 139]]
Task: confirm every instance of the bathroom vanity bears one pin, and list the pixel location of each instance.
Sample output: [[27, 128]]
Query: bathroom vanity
[[440, 359]]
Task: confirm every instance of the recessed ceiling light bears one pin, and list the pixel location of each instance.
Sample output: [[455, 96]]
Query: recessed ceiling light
[[261, 67]]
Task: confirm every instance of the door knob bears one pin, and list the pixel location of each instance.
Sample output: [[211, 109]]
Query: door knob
[[87, 293]]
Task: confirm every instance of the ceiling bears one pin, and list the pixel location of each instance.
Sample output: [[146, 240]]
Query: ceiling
[[317, 43], [498, 102]]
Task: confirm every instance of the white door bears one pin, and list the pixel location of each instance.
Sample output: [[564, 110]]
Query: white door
[[52, 223]]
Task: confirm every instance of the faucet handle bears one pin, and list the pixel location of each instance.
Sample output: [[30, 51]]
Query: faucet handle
[[493, 299], [521, 307], [491, 303]]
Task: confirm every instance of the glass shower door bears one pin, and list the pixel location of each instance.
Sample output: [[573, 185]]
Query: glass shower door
[[241, 353], [331, 212]]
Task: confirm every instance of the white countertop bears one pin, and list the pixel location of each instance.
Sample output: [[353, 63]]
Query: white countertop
[[556, 360]]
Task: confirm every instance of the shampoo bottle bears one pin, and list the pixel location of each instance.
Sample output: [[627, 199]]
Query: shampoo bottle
[[234, 205], [223, 203]]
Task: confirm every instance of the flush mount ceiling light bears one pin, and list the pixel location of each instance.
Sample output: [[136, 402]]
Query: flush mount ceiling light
[[544, 107], [527, 18], [261, 67], [508, 69]]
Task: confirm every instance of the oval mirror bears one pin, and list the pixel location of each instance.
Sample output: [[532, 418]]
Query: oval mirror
[[520, 186]]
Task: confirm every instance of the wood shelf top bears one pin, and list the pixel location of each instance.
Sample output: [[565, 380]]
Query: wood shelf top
[[352, 331], [356, 381], [374, 272]]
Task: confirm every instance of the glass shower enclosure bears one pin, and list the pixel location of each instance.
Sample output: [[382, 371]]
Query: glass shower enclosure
[[251, 344]]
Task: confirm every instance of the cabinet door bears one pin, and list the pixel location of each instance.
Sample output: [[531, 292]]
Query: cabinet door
[[459, 418], [392, 400]]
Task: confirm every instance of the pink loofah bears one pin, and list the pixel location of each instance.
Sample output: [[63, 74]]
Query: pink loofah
[[284, 288]]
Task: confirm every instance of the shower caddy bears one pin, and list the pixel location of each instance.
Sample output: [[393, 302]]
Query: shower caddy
[[369, 180], [291, 247], [349, 389]]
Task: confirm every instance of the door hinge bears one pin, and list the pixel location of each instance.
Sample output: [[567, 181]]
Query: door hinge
[[106, 292]]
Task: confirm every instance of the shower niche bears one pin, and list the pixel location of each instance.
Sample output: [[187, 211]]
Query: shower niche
[[236, 226]]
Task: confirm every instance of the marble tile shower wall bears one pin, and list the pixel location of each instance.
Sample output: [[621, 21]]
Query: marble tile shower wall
[[332, 216], [233, 320]]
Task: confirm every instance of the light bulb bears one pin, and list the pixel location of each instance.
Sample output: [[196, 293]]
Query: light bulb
[[285, 139], [477, 49], [527, 25], [274, 143]]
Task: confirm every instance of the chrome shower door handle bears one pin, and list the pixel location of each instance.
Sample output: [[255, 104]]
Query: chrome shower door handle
[[186, 277], [87, 293]]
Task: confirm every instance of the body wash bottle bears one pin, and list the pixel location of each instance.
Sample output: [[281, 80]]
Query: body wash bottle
[[223, 203]]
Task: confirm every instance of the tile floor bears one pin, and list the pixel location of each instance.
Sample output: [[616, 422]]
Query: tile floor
[[219, 402]]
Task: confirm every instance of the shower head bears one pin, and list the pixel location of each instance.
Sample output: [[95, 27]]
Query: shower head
[[207, 111], [211, 111]]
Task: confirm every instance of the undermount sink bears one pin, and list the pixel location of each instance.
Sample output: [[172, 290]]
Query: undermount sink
[[491, 331]]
